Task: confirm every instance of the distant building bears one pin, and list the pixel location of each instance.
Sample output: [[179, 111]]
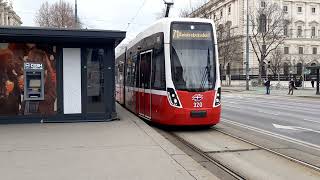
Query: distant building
[[7, 15], [302, 45]]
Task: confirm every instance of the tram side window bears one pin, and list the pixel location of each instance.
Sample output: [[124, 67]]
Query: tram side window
[[119, 71], [133, 71], [158, 73], [137, 74], [147, 70], [128, 75], [116, 67], [141, 70]]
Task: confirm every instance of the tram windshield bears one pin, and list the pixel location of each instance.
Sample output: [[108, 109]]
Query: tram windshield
[[192, 57]]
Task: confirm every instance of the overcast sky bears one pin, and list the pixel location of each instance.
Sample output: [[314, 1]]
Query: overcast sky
[[108, 14]]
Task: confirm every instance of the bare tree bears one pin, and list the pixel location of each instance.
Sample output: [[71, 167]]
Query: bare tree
[[276, 62], [43, 15], [267, 31], [187, 12], [58, 15], [161, 14], [229, 48]]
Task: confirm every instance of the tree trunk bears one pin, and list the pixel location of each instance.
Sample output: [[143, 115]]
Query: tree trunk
[[260, 73]]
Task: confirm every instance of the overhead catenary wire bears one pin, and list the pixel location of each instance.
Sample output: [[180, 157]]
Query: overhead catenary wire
[[134, 17]]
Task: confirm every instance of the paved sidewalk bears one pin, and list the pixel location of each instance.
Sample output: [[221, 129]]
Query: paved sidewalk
[[120, 150], [306, 92]]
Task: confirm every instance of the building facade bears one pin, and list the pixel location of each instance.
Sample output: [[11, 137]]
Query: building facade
[[8, 16], [301, 46]]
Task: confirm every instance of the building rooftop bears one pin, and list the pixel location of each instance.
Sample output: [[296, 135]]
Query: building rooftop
[[55, 35]]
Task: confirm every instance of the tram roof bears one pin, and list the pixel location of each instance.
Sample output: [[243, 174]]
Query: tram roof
[[161, 25]]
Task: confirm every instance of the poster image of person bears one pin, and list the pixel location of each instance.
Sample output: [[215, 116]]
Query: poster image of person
[[9, 89]]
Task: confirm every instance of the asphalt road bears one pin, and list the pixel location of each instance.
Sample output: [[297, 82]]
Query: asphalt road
[[298, 118], [288, 124]]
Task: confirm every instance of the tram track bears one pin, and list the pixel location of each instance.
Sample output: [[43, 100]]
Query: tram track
[[232, 173], [316, 168], [187, 146], [209, 158]]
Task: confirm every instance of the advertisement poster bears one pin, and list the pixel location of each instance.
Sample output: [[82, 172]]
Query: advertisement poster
[[12, 59]]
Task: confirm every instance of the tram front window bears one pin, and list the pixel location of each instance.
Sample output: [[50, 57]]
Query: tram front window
[[192, 57]]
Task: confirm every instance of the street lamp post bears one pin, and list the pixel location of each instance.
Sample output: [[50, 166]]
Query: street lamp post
[[247, 49]]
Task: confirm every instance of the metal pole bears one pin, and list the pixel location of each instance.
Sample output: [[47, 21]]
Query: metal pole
[[76, 13], [168, 6], [247, 49], [318, 79], [303, 75]]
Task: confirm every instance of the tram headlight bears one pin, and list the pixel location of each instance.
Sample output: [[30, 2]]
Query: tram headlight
[[173, 98], [217, 101]]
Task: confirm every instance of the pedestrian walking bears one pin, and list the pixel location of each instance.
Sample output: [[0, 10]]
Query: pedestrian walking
[[267, 84], [312, 83], [291, 87]]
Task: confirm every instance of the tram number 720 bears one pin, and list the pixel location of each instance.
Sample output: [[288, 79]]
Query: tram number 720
[[197, 104]]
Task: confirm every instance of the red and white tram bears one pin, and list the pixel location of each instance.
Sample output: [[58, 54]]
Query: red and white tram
[[169, 73]]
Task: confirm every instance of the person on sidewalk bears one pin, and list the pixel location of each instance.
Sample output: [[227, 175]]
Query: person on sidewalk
[[312, 83], [267, 84], [291, 87]]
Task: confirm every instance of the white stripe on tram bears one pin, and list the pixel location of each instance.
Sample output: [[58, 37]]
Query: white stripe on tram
[[152, 91]]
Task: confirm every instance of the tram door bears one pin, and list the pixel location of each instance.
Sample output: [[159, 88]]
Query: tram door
[[145, 84]]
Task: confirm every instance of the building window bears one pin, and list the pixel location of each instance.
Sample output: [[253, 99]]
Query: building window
[[300, 9], [263, 23], [229, 10], [221, 13], [299, 31], [314, 50], [286, 50], [263, 4], [313, 31], [299, 69], [300, 50], [285, 69], [313, 10], [285, 9], [313, 71], [214, 16], [285, 30]]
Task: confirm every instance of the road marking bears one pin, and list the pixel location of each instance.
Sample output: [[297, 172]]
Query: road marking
[[294, 128], [299, 106], [260, 111], [279, 136], [315, 121], [248, 105], [275, 114], [285, 127]]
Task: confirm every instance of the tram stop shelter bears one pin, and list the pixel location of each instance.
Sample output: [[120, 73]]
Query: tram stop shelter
[[317, 69], [57, 75]]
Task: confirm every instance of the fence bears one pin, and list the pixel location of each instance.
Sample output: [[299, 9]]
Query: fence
[[237, 76]]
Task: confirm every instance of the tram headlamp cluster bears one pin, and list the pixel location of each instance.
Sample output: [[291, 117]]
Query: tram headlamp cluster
[[217, 101], [173, 98]]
